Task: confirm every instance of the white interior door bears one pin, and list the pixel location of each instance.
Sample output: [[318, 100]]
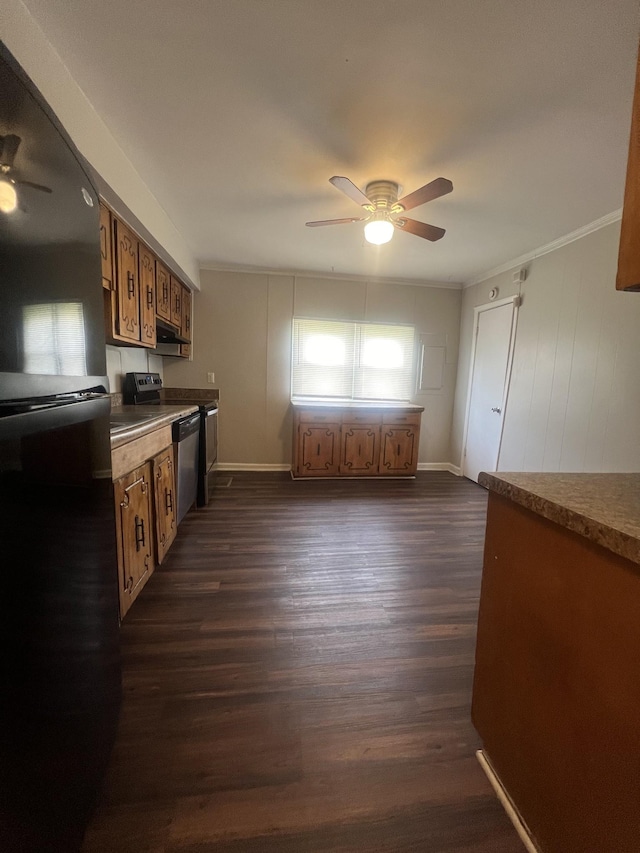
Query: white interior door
[[495, 326]]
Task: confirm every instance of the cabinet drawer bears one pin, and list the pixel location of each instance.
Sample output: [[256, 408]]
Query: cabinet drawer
[[361, 418], [412, 418], [318, 417]]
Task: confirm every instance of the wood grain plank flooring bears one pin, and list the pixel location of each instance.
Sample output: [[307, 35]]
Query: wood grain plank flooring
[[298, 674]]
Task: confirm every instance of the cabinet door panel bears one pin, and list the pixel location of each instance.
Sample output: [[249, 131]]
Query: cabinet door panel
[[164, 494], [106, 247], [186, 313], [134, 534], [128, 291], [360, 449], [318, 449], [176, 302], [399, 451], [147, 279], [163, 292]]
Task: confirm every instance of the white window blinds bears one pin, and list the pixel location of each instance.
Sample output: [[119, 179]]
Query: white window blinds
[[352, 361], [54, 339]]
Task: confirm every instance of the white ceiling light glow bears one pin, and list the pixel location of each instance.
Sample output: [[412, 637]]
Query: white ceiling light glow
[[8, 196], [378, 231]]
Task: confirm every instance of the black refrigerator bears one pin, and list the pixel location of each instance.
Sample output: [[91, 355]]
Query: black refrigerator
[[60, 687]]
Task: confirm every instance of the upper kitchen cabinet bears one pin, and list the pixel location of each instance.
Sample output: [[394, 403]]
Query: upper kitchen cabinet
[[176, 303], [147, 280], [125, 295], [141, 296], [185, 349], [628, 277], [106, 247], [163, 292]]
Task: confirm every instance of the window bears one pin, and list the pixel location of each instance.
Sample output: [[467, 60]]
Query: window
[[352, 361], [54, 339]]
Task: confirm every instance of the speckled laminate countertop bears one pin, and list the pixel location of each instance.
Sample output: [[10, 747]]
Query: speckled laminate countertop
[[604, 508], [131, 422]]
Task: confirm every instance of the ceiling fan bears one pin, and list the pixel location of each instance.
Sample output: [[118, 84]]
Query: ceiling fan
[[385, 211], [9, 145]]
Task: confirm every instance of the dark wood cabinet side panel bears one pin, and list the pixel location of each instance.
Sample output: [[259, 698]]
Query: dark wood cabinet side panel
[[556, 691], [628, 277]]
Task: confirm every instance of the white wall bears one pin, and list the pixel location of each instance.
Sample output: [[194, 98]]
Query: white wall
[[26, 41], [121, 360], [242, 332], [574, 399]]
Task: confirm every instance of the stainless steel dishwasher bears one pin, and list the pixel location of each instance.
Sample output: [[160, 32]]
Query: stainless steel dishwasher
[[186, 440]]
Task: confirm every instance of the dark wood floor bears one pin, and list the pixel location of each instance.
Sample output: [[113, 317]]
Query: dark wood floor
[[298, 677]]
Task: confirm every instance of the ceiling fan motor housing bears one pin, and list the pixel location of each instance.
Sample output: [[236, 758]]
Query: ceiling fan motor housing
[[382, 194]]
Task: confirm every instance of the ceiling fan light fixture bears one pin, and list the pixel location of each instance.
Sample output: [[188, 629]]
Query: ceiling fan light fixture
[[378, 231], [8, 196]]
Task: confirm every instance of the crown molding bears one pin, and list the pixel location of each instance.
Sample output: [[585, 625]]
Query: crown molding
[[578, 234], [446, 285]]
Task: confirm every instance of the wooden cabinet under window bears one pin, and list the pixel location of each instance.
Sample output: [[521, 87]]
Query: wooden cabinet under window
[[399, 444], [134, 533], [318, 449], [164, 501], [355, 440]]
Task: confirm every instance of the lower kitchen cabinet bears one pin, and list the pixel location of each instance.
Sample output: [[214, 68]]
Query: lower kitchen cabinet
[[318, 450], [134, 537], [164, 501], [359, 449], [355, 441], [146, 522], [399, 445]]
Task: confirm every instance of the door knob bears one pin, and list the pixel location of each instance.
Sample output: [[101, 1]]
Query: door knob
[[497, 410]]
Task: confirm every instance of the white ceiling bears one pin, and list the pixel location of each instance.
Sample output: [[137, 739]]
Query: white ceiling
[[237, 112]]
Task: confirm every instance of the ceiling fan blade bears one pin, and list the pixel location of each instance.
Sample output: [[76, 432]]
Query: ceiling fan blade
[[420, 229], [32, 185], [8, 148], [435, 189], [335, 221], [350, 189]]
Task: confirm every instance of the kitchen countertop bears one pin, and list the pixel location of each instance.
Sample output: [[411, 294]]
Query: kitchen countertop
[[604, 508], [131, 422]]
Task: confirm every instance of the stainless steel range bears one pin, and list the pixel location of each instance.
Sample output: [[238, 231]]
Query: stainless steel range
[[139, 388]]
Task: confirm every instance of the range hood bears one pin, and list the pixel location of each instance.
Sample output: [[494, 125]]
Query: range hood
[[166, 333]]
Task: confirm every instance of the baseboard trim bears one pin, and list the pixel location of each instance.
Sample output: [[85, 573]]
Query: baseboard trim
[[268, 466], [251, 466], [507, 803], [440, 466]]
